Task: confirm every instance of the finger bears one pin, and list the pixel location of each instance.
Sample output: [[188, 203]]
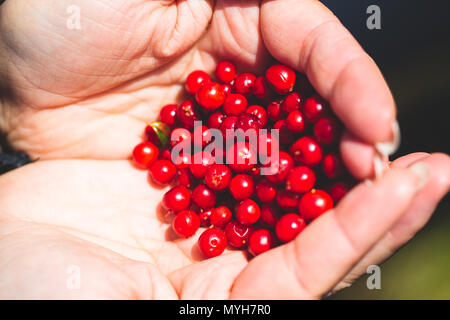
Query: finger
[[361, 167], [306, 35], [414, 218], [321, 255]]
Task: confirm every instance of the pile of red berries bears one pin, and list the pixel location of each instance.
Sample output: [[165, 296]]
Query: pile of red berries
[[238, 205]]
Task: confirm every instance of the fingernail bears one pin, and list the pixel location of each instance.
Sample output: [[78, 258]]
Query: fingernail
[[421, 171], [390, 147], [380, 164]]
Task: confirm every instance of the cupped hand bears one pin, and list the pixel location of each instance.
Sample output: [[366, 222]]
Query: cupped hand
[[88, 93]]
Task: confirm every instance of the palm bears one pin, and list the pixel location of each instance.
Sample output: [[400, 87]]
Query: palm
[[87, 94]]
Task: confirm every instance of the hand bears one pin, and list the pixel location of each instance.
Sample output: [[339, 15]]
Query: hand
[[102, 216]]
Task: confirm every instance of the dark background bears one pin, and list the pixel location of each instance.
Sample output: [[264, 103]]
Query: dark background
[[412, 50]]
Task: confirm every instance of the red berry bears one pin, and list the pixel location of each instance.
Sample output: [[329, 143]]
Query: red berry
[[237, 234], [241, 157], [234, 104], [225, 71], [267, 144], [182, 160], [269, 215], [300, 179], [212, 242], [241, 187], [292, 102], [332, 166], [205, 217], [162, 172], [281, 78], [266, 191], [260, 241], [248, 212], [274, 110], [210, 96], [287, 200], [166, 155], [168, 115], [259, 112], [184, 178], [338, 190], [201, 161], [202, 136], [203, 196], [229, 123], [186, 223], [286, 135], [144, 154], [278, 171], [289, 227], [215, 120], [226, 88], [220, 216], [243, 83], [218, 176], [314, 203], [248, 121], [327, 130], [295, 121], [306, 151], [180, 135], [195, 80], [176, 199], [260, 88], [315, 108]]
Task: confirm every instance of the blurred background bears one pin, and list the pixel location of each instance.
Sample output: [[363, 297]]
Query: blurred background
[[413, 51]]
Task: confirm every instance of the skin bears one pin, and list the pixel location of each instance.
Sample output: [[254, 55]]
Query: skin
[[79, 100]]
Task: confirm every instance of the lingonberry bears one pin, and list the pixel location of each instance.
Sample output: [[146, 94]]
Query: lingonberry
[[338, 190], [176, 199], [201, 161], [260, 241], [226, 88], [260, 88], [212, 242], [267, 144], [185, 223], [269, 215], [225, 71], [203, 196], [286, 136], [180, 135], [144, 154], [166, 154], [229, 123], [248, 212], [306, 151], [168, 115], [157, 133], [237, 234], [332, 166], [315, 108], [243, 83], [241, 157], [205, 217], [242, 187], [327, 130], [314, 203], [162, 172], [215, 120], [218, 176], [220, 216], [247, 121], [287, 200], [289, 226], [281, 78], [295, 121], [259, 112], [266, 191], [202, 136], [234, 104], [182, 160], [292, 102], [210, 96], [195, 80], [300, 179], [184, 178], [274, 111], [278, 171]]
